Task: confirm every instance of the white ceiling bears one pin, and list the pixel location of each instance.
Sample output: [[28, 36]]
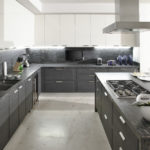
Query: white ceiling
[[69, 6], [76, 1]]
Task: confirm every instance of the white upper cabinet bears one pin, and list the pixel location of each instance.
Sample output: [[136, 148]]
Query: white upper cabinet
[[39, 30], [52, 29], [83, 30], [67, 30], [98, 22], [79, 30]]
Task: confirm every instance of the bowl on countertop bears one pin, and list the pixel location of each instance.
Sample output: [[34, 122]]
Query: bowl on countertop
[[145, 110]]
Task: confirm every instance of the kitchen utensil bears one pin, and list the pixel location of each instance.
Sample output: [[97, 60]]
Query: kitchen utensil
[[111, 62], [130, 60], [119, 60], [99, 61], [125, 60]]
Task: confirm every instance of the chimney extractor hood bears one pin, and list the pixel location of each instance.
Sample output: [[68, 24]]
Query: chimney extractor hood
[[127, 18]]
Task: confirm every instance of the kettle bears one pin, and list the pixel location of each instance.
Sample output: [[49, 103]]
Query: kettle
[[99, 61]]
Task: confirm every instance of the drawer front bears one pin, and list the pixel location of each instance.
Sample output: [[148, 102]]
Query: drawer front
[[108, 130], [64, 74], [131, 141], [118, 143], [86, 74], [4, 109], [59, 86], [118, 120], [124, 136], [98, 99], [86, 86], [14, 101], [28, 86], [107, 107]]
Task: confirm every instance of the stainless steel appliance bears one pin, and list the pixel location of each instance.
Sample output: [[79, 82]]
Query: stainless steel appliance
[[126, 88], [99, 61], [4, 70], [127, 18]]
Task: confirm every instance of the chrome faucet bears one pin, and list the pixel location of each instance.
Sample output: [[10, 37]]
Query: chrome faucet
[[4, 70]]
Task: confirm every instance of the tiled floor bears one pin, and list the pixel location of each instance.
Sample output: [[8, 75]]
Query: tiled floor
[[61, 121]]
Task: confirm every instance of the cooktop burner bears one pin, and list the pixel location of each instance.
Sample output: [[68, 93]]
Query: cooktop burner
[[126, 88]]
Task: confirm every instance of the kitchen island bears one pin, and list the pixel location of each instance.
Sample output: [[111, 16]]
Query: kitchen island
[[123, 122]]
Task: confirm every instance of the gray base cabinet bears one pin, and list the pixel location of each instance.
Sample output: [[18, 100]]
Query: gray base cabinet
[[4, 121], [118, 132], [29, 95], [59, 86], [64, 79], [58, 80], [14, 111], [22, 104]]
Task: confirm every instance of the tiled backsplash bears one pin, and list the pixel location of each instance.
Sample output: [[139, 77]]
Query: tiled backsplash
[[92, 53], [10, 56], [59, 54]]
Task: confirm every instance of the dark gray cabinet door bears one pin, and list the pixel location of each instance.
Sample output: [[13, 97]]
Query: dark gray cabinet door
[[4, 121], [98, 98], [39, 82], [85, 86], [106, 116], [14, 111], [64, 74], [22, 99], [29, 94], [59, 86]]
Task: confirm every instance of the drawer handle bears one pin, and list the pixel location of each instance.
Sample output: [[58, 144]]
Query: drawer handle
[[105, 93], [59, 81], [90, 75], [16, 91], [20, 87], [91, 81], [122, 136], [105, 116], [122, 120], [29, 79], [120, 148]]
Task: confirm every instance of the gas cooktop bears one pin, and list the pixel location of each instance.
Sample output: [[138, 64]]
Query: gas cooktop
[[126, 88]]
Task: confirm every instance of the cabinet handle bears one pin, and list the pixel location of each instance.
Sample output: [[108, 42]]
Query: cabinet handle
[[59, 81], [105, 116], [20, 87], [91, 81], [120, 148], [90, 75], [105, 93], [122, 136], [122, 120], [16, 91], [29, 79]]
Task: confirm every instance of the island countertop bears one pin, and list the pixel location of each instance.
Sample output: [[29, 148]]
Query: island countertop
[[132, 113]]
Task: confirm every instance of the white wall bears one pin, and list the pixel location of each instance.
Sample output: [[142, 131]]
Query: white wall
[[16, 25], [145, 39]]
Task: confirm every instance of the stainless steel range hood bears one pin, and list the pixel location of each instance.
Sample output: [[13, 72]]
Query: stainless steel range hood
[[127, 18]]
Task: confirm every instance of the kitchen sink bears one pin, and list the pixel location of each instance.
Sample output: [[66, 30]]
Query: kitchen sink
[[5, 85], [8, 82]]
